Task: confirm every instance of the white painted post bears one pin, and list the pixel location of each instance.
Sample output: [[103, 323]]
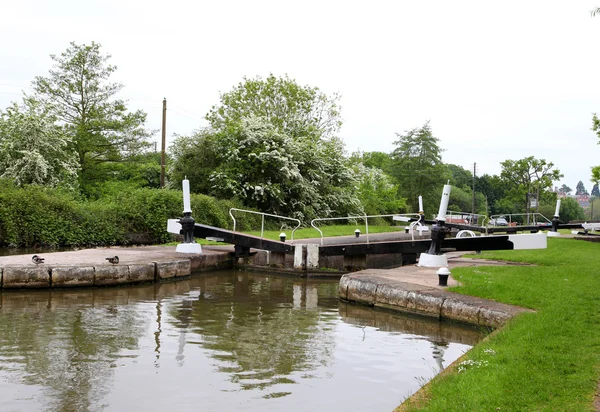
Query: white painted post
[[187, 223], [556, 212], [187, 208], [420, 204], [444, 203]]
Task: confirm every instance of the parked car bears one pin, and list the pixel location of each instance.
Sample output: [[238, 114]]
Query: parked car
[[499, 221]]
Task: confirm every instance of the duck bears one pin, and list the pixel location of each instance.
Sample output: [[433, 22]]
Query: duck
[[113, 259], [37, 259]]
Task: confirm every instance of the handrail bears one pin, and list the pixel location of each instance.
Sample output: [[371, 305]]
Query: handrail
[[365, 217], [530, 215], [262, 227], [470, 216]]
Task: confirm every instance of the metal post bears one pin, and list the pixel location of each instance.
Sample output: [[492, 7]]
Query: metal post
[[164, 134], [555, 221], [187, 226], [438, 233]]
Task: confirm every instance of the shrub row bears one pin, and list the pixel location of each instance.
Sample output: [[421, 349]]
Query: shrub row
[[35, 216]]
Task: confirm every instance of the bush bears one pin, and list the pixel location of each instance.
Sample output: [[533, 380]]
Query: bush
[[35, 216]]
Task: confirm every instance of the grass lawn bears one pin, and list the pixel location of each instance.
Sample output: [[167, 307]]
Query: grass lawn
[[543, 361]]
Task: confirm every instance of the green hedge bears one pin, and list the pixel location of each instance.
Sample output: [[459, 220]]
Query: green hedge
[[36, 216]]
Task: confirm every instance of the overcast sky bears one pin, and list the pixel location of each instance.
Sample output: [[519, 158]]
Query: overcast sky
[[497, 80]]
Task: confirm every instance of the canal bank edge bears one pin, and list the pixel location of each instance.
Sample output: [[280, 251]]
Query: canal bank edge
[[370, 287], [80, 268]]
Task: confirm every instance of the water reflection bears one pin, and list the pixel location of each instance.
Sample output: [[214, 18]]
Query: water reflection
[[247, 339]]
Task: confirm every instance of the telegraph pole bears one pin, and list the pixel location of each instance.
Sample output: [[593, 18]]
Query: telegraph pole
[[474, 171], [164, 134]]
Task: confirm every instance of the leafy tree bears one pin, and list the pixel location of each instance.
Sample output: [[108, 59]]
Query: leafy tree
[[595, 11], [461, 200], [78, 92], [595, 190], [377, 192], [271, 144], [526, 175], [293, 109], [379, 160], [569, 210], [417, 167], [33, 149], [565, 189], [267, 169], [194, 157], [494, 189], [580, 189], [460, 177]]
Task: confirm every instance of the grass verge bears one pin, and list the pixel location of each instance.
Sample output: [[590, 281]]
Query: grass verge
[[543, 361]]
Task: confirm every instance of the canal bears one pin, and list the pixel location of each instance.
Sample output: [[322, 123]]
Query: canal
[[220, 341]]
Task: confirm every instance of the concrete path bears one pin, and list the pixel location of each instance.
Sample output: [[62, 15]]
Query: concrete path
[[97, 256], [415, 289]]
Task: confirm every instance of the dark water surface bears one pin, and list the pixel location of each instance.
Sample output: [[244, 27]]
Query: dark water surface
[[225, 341]]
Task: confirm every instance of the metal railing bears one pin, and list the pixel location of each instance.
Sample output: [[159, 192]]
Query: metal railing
[[365, 217], [515, 219], [474, 219], [262, 225]]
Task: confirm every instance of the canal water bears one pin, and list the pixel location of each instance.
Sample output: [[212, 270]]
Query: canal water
[[222, 341]]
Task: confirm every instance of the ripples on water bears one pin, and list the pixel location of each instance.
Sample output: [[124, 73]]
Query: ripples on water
[[217, 342]]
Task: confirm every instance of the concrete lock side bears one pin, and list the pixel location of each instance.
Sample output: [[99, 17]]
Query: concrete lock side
[[173, 269], [343, 288], [389, 295], [26, 277], [111, 275], [142, 273], [312, 256], [361, 291], [427, 303], [299, 262], [461, 310], [72, 276]]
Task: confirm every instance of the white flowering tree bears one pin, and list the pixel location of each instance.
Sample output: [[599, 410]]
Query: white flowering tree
[[273, 172], [272, 144], [33, 149]]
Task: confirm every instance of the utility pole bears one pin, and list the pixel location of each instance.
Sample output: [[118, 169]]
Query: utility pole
[[474, 171], [164, 134]]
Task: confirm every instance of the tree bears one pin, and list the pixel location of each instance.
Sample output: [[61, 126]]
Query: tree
[[376, 190], [417, 167], [194, 157], [293, 109], [595, 11], [569, 210], [461, 200], [101, 130], [580, 189], [565, 189], [595, 190], [33, 149], [527, 175], [380, 160], [493, 189], [271, 144], [271, 171], [460, 177]]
